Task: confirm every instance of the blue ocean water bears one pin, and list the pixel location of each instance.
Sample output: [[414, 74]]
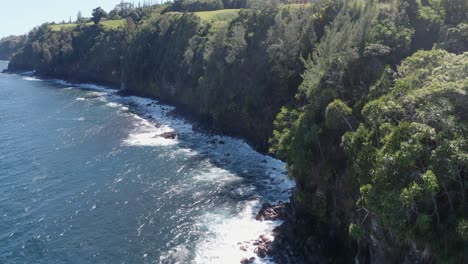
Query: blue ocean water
[[86, 177]]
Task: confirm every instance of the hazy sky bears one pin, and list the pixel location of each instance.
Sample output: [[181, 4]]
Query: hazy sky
[[20, 16]]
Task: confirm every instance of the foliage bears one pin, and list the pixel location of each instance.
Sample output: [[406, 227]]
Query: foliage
[[10, 45], [98, 14], [414, 167], [412, 131], [455, 39], [196, 5], [82, 52], [106, 25], [218, 15]]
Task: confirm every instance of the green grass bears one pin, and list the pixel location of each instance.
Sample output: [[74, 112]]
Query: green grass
[[107, 24], [59, 27], [217, 15], [113, 24], [297, 6]]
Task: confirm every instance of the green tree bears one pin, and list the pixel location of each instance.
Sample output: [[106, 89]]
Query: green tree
[[410, 154], [79, 17], [98, 14]]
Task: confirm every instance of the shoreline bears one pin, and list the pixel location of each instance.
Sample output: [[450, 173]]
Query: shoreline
[[181, 111], [179, 123]]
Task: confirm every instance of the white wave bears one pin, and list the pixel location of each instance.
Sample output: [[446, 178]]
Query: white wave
[[217, 175], [147, 134], [80, 99], [32, 79], [95, 94], [62, 82], [113, 105], [95, 87], [89, 86], [226, 234], [98, 96], [177, 255]]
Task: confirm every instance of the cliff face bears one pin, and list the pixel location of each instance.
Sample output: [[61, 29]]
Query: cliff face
[[231, 74], [87, 54]]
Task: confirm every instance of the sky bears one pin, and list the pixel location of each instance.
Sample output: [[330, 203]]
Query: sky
[[20, 16]]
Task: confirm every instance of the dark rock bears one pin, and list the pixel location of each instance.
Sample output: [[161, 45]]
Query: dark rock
[[221, 142], [264, 161], [261, 251], [265, 239], [273, 212], [244, 261], [148, 104], [169, 135], [252, 259], [227, 154]]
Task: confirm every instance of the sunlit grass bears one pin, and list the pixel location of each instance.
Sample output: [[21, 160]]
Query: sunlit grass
[[107, 24], [217, 15]]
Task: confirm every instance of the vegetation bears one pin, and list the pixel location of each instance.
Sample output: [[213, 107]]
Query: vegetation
[[10, 45], [364, 100], [410, 154], [381, 148], [98, 14], [107, 25], [218, 15], [205, 5]]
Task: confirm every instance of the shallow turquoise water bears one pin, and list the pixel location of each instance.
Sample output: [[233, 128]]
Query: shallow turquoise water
[[86, 178]]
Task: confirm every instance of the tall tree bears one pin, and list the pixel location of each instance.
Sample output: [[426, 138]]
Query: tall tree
[[98, 15], [79, 17]]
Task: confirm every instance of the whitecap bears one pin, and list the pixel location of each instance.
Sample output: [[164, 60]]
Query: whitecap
[[178, 254], [216, 175], [113, 105], [147, 134], [32, 79], [80, 99], [227, 233]]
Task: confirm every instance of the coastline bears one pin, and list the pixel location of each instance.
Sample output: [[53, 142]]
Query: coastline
[[156, 114]]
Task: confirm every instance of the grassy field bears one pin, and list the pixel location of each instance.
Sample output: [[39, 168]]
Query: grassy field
[[58, 27], [218, 15], [108, 24], [113, 24]]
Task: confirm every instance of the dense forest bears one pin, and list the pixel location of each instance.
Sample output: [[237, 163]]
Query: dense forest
[[364, 100], [10, 45]]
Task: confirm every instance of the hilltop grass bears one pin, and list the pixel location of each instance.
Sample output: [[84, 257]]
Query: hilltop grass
[[59, 27], [217, 15], [107, 24], [113, 24]]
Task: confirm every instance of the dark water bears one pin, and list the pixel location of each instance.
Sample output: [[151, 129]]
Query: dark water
[[86, 178]]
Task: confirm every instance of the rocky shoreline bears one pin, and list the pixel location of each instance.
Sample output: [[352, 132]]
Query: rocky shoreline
[[272, 245], [297, 240]]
